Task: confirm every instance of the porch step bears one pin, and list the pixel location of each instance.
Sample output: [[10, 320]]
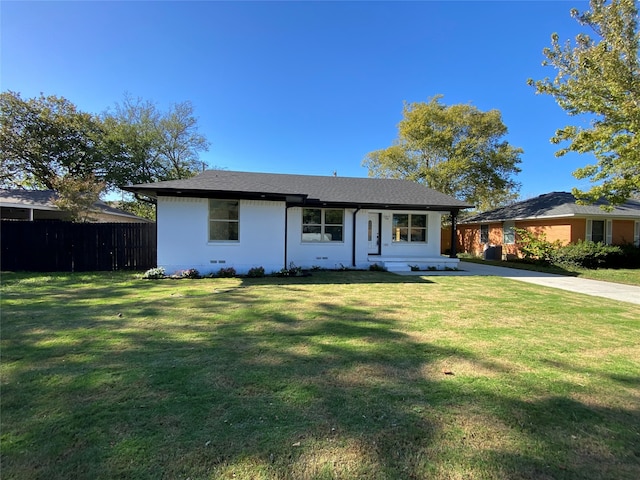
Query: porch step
[[396, 266], [399, 264]]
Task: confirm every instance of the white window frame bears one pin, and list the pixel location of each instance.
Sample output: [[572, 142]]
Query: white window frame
[[322, 236], [510, 237], [636, 233], [395, 233], [223, 220], [607, 236], [486, 239]]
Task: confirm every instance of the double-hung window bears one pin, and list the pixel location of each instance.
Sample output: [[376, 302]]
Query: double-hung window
[[224, 220], [484, 233], [509, 233], [599, 231], [322, 225], [409, 227]]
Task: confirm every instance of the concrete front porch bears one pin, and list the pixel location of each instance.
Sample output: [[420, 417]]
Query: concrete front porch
[[407, 264]]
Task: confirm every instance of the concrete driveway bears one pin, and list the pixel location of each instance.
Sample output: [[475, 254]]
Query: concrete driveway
[[613, 291]]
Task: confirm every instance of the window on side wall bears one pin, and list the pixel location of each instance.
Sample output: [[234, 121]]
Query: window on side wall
[[322, 225], [484, 233], [598, 233], [224, 220], [409, 227], [509, 233]]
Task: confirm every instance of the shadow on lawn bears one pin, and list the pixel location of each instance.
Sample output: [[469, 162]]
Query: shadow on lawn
[[239, 386]]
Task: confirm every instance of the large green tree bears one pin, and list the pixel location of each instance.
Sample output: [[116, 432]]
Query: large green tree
[[45, 139], [458, 150], [149, 145], [598, 75], [47, 142]]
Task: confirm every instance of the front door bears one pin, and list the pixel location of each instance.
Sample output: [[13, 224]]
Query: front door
[[373, 234]]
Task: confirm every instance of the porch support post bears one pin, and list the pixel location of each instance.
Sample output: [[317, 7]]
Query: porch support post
[[454, 236]]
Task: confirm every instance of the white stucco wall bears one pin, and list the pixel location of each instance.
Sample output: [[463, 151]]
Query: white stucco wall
[[183, 237], [407, 249], [321, 254]]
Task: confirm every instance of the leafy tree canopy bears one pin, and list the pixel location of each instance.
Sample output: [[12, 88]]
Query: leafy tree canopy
[[46, 142], [149, 145], [455, 149], [598, 75], [45, 139]]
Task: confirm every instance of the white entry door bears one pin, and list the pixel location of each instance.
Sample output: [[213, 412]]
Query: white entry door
[[373, 234]]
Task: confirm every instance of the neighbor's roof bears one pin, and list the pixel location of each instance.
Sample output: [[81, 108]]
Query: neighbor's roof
[[304, 189], [44, 200], [553, 205]]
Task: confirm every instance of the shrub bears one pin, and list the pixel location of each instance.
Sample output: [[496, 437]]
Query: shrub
[[227, 272], [190, 273], [292, 271], [376, 267], [256, 272], [536, 248], [154, 273], [586, 254]]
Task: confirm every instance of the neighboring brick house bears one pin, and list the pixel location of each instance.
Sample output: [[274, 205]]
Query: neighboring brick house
[[555, 214]]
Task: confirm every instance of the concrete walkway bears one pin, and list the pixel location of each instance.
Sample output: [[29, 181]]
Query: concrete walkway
[[614, 291]]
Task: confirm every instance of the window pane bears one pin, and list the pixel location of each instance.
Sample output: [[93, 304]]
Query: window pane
[[311, 229], [311, 215], [400, 234], [418, 235], [418, 220], [223, 209], [400, 220], [484, 233], [333, 217], [597, 231], [223, 230], [333, 234], [509, 233]]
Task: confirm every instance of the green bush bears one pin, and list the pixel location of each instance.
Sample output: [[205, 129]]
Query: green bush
[[587, 254], [256, 272], [227, 272], [190, 273], [154, 273], [536, 248], [376, 267]]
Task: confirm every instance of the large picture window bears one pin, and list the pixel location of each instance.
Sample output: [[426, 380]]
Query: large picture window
[[224, 220], [409, 227], [322, 225]]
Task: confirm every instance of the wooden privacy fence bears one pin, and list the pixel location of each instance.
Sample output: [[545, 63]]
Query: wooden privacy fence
[[77, 247]]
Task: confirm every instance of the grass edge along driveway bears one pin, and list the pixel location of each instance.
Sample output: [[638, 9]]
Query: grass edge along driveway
[[338, 375]]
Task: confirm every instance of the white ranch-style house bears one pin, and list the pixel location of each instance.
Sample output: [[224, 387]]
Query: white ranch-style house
[[221, 219]]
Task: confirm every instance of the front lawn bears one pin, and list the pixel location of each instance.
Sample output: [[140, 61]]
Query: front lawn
[[363, 375]]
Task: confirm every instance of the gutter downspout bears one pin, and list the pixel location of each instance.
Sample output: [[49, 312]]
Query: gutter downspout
[[353, 250]]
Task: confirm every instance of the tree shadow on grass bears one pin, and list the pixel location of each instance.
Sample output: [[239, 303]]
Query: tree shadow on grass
[[239, 388]]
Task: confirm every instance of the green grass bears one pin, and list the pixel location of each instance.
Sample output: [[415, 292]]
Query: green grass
[[629, 276], [339, 375]]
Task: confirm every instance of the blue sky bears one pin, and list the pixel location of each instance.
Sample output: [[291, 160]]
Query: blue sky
[[300, 87]]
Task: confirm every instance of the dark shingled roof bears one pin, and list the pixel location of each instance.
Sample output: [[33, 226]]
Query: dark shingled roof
[[555, 204], [305, 189]]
